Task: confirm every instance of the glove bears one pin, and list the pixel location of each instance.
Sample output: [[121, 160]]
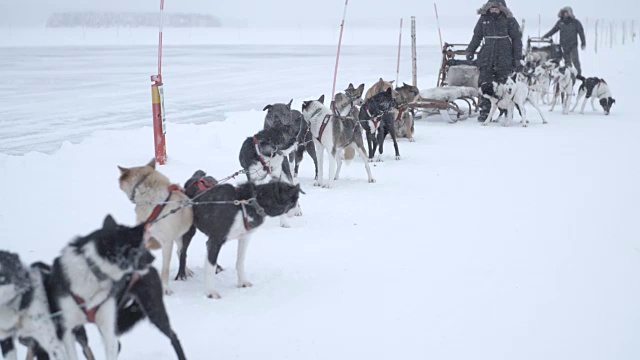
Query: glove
[[584, 46], [470, 56]]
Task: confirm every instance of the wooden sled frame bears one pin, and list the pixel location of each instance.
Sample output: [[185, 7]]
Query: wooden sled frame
[[448, 108]]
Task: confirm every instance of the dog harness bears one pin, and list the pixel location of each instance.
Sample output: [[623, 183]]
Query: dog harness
[[158, 209], [324, 124], [400, 111], [253, 202], [260, 157], [91, 313], [202, 184]]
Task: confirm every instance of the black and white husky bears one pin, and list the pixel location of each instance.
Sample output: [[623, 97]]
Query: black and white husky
[[374, 114], [224, 212], [24, 309], [565, 79], [83, 284], [341, 137], [594, 88]]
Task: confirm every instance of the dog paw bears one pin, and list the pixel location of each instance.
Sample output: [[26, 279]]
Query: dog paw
[[168, 292], [219, 269], [379, 159], [484, 123], [317, 183], [327, 186], [285, 225], [244, 284], [181, 277], [371, 160], [398, 157], [545, 122], [372, 180], [412, 140], [213, 295]]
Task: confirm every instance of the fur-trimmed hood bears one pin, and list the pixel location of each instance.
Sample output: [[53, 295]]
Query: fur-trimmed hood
[[569, 10], [500, 4]]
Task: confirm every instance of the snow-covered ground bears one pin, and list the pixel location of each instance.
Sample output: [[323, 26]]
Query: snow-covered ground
[[482, 243]]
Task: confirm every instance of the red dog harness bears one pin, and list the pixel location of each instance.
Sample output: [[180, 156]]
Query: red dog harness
[[91, 313], [400, 111], [158, 209], [325, 122], [264, 163]]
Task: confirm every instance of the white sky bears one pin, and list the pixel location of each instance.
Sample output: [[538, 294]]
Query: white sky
[[295, 13]]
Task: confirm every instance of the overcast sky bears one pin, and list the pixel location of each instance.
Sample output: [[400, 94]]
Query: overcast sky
[[283, 13]]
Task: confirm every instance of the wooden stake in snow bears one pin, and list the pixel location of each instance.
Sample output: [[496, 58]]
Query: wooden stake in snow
[[414, 55], [399, 47], [539, 25], [335, 72], [157, 102], [438, 21]]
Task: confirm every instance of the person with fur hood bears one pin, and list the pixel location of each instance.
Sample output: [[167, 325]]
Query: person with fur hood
[[501, 52], [570, 28]]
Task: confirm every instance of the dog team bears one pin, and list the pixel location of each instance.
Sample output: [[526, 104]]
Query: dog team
[[531, 85], [106, 277]]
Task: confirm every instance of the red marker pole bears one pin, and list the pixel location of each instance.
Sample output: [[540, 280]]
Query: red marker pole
[[335, 72], [157, 103], [399, 47]]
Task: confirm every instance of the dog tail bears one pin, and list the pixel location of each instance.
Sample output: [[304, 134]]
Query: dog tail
[[349, 154], [581, 78]]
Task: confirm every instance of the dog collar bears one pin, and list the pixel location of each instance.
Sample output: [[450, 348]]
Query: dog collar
[[135, 188], [95, 270]]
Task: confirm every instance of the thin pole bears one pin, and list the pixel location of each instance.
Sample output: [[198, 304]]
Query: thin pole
[[399, 47], [160, 37], [596, 41], [539, 25], [414, 55], [438, 21], [335, 72]]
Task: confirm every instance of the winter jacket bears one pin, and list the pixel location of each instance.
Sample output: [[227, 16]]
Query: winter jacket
[[569, 29], [502, 47]]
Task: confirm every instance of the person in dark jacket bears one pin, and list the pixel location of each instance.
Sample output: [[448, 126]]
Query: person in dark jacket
[[501, 51], [570, 28]]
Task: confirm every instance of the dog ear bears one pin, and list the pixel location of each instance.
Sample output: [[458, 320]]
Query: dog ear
[[289, 104], [152, 164], [109, 223], [268, 107], [361, 87], [389, 91], [392, 81], [350, 87], [321, 99], [381, 80], [299, 189], [123, 170]]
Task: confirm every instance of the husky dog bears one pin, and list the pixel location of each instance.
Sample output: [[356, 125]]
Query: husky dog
[[500, 100], [291, 120], [24, 309], [84, 280], [355, 94], [519, 92], [146, 187], [265, 155], [241, 211], [378, 87], [382, 127], [335, 134], [404, 123], [138, 296], [370, 116], [542, 76], [565, 79], [593, 88]]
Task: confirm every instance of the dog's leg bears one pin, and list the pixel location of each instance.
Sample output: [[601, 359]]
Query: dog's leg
[[392, 131], [82, 339], [183, 245], [213, 249], [580, 95], [332, 168], [320, 153], [593, 102], [106, 318], [410, 126], [166, 261], [339, 161], [243, 243], [363, 155], [510, 113], [491, 113], [8, 349], [69, 340], [534, 102], [380, 138], [311, 149]]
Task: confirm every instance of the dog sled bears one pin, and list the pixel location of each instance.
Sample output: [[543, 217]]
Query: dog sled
[[457, 82], [541, 50]]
